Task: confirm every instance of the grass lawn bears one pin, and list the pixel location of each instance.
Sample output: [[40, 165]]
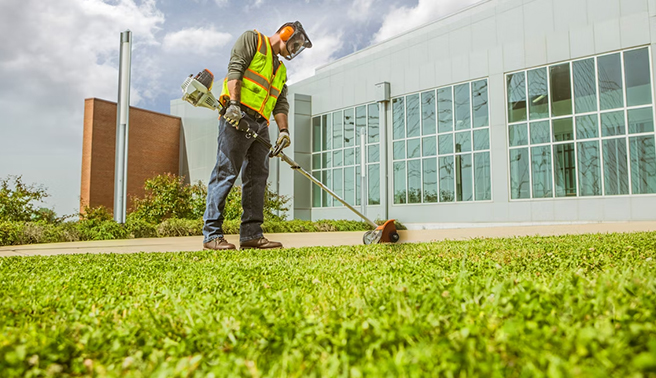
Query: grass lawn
[[533, 306]]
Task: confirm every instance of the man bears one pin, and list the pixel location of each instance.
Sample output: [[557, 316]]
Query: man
[[253, 89]]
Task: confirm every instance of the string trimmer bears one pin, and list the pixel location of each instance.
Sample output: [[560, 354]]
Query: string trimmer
[[197, 91]]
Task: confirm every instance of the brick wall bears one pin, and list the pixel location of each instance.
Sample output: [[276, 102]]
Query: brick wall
[[153, 148]]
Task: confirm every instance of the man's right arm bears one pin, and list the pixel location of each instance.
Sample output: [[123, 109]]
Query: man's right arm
[[240, 59]]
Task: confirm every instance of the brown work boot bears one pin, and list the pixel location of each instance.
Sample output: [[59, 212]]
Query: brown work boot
[[261, 243], [218, 244]]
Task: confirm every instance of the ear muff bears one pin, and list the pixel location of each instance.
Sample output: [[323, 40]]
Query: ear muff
[[286, 33]]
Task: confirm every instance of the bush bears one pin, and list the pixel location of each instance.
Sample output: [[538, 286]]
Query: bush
[[167, 196], [139, 228], [180, 227], [18, 201], [10, 232]]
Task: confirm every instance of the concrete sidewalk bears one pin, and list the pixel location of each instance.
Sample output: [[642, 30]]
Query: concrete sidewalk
[[194, 243]]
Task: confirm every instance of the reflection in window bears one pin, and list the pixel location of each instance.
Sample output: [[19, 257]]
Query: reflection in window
[[610, 81], [516, 97], [643, 164], [462, 127], [336, 151], [607, 148], [398, 121], [561, 90], [538, 96]]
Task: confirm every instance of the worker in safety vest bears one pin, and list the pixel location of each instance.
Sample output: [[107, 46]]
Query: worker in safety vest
[[253, 90]]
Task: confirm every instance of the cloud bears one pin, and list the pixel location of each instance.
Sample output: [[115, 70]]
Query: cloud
[[402, 19], [324, 47], [195, 40], [360, 10], [59, 53]]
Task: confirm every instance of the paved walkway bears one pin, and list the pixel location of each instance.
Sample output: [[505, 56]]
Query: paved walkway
[[194, 243]]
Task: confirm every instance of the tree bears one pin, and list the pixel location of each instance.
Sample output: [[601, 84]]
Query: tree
[[18, 201]]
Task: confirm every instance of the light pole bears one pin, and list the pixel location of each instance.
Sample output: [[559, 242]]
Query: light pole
[[122, 127]]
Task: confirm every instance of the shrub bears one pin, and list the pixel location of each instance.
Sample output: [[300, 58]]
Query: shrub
[[18, 200], [10, 232], [167, 196], [140, 228], [180, 227]]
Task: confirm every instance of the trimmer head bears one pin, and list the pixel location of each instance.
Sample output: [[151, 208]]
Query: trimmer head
[[385, 233]]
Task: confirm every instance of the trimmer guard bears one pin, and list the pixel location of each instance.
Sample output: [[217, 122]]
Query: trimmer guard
[[385, 233]]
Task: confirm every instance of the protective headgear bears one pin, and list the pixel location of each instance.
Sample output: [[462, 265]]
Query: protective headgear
[[295, 38]]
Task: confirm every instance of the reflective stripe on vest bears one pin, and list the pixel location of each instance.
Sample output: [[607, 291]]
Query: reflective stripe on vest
[[260, 85]]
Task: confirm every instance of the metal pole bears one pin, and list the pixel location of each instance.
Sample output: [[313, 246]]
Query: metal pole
[[122, 127]]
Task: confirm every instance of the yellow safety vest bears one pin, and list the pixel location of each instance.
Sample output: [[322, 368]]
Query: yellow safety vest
[[260, 86]]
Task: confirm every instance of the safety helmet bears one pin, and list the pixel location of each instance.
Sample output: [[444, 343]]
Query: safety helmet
[[295, 38]]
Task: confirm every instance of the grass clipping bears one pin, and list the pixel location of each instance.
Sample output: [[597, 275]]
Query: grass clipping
[[555, 306]]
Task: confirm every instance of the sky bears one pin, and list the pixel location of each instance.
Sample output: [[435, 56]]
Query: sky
[[56, 53]]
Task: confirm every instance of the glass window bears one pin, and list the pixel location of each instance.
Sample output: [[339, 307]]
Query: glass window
[[464, 178], [349, 156], [430, 180], [482, 179], [445, 144], [541, 170], [638, 77], [327, 181], [338, 185], [414, 181], [316, 161], [373, 130], [337, 158], [358, 185], [316, 190], [589, 168], [519, 174], [518, 135], [349, 185], [428, 121], [399, 150], [463, 107], [374, 184], [616, 180], [326, 136], [563, 129], [538, 95], [587, 127], [516, 97], [398, 121], [561, 90], [337, 130], [327, 160], [399, 182], [412, 116], [360, 122], [349, 128], [414, 148], [316, 134], [643, 164], [612, 124], [463, 142], [445, 109], [540, 132], [447, 179], [641, 120], [480, 104], [585, 86], [373, 153], [565, 170], [609, 71], [481, 139], [606, 148], [428, 146]]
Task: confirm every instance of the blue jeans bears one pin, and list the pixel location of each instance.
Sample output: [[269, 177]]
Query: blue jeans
[[237, 152]]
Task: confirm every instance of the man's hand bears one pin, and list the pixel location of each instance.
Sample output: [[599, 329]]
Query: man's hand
[[283, 142], [233, 113]]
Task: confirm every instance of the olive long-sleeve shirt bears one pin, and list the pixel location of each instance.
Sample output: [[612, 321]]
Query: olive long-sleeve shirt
[[240, 59]]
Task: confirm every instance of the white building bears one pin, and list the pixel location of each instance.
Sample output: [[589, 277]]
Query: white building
[[508, 112]]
